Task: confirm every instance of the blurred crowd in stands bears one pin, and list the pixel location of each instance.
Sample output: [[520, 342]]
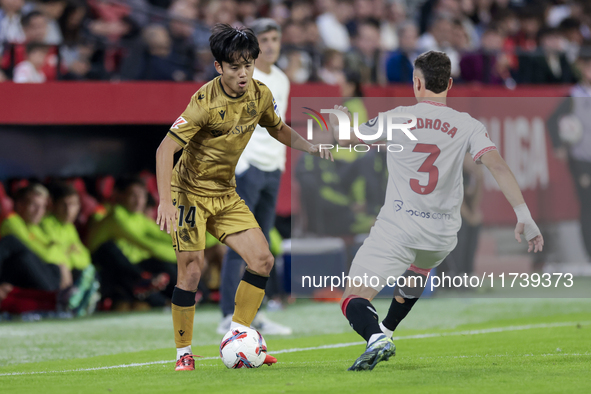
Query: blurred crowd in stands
[[489, 41], [73, 245]]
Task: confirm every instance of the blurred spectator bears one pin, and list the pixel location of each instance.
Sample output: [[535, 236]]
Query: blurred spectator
[[301, 11], [60, 229], [439, 38], [28, 257], [460, 39], [399, 65], [548, 64], [126, 244], [59, 226], [295, 60], [332, 71], [331, 24], [395, 15], [364, 58], [246, 11], [158, 62], [570, 29], [363, 10], [530, 22], [114, 20], [79, 54], [489, 64], [117, 27], [53, 11], [183, 16], [35, 29], [11, 30], [31, 70]]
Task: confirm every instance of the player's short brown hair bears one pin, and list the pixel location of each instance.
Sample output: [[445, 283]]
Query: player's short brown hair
[[436, 68]]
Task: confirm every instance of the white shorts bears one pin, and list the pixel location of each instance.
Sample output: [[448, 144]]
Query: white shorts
[[388, 260]]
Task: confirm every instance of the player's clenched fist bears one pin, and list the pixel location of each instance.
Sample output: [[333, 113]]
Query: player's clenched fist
[[167, 216]]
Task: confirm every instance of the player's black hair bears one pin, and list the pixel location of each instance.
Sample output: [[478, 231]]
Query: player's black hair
[[436, 68], [26, 20], [60, 190], [125, 182], [229, 44]]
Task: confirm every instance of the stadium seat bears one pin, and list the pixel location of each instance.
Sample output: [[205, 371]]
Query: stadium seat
[[28, 300], [105, 186], [6, 203], [151, 184]]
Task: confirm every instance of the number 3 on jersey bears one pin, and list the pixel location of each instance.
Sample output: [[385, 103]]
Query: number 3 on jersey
[[189, 219], [427, 167]]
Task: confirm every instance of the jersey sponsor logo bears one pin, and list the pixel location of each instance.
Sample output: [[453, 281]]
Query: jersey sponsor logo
[[216, 133], [398, 205], [222, 114], [275, 107], [179, 122], [429, 215], [201, 96], [251, 108], [243, 129]]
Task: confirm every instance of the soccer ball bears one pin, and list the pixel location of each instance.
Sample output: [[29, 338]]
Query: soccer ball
[[570, 129], [244, 348]]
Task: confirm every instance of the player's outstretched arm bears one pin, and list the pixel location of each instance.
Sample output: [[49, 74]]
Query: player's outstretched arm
[[167, 213], [334, 124], [508, 184], [289, 137]]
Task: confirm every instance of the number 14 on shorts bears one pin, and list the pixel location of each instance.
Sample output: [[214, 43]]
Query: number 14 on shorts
[[189, 218]]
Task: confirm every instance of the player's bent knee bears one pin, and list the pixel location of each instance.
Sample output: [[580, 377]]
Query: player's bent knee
[[263, 263]]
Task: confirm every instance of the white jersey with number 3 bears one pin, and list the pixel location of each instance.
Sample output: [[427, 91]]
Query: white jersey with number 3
[[425, 182]]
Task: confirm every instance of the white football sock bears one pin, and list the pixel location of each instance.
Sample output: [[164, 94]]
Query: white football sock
[[237, 326], [386, 331], [181, 351], [373, 338]]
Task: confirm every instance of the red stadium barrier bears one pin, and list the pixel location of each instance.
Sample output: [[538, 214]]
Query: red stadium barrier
[[64, 103]]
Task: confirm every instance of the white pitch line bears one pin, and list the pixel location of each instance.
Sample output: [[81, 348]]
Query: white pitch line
[[322, 347]]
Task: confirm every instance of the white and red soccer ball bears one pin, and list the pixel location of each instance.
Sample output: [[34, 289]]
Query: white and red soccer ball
[[244, 348]]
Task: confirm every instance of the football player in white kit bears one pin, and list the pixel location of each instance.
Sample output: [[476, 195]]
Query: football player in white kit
[[417, 226]]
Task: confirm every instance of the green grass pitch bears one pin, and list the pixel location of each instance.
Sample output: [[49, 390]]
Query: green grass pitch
[[444, 346]]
